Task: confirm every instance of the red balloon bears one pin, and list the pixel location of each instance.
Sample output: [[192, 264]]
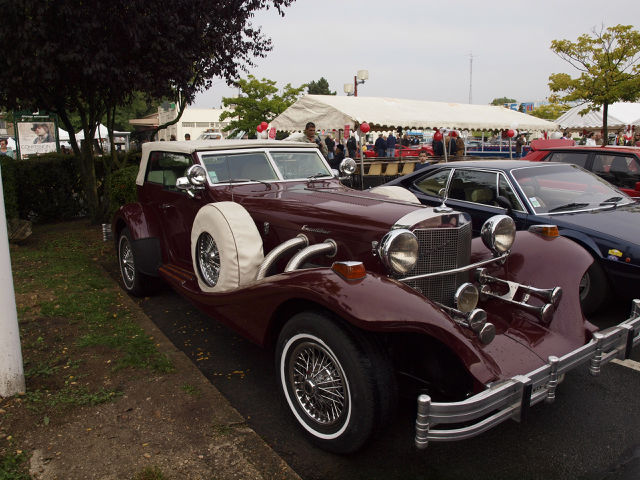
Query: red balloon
[[510, 133], [264, 125], [259, 128], [437, 136], [364, 127]]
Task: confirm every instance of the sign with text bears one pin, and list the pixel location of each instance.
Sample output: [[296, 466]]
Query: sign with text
[[35, 134]]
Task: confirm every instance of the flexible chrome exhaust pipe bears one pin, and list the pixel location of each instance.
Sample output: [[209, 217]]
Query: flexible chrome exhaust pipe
[[328, 246], [275, 254]]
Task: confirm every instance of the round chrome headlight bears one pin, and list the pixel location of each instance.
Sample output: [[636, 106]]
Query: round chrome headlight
[[348, 166], [399, 251], [498, 233], [466, 297]]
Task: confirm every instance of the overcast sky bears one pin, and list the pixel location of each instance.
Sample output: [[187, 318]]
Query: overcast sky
[[420, 50]]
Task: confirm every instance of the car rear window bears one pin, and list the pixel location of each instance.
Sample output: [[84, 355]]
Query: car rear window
[[577, 158]]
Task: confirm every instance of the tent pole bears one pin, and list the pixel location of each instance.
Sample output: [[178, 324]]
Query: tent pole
[[361, 161]]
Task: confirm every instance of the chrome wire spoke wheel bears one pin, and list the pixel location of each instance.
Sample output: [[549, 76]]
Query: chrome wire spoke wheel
[[127, 264], [208, 257], [318, 383]]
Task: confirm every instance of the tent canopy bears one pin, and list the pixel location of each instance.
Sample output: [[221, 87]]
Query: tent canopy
[[382, 113], [101, 132], [618, 115]]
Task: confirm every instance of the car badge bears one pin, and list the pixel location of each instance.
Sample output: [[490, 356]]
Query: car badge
[[615, 252]]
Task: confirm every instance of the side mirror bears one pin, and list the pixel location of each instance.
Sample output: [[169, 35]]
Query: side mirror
[[348, 166], [197, 175], [195, 179], [505, 203]]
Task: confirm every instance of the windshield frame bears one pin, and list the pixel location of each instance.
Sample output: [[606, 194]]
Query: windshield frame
[[267, 153]]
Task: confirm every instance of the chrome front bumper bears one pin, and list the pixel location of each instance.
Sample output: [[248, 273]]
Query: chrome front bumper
[[512, 398]]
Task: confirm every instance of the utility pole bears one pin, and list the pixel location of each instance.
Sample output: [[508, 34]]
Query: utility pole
[[11, 369], [470, 74]]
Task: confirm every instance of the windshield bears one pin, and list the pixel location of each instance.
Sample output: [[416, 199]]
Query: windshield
[[300, 165], [565, 188]]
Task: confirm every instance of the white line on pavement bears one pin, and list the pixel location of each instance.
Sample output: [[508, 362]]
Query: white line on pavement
[[632, 364]]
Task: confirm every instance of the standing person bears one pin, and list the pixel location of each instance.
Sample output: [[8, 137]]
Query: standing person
[[438, 148], [405, 141], [187, 137], [459, 146], [450, 144], [5, 150], [331, 147], [311, 137], [380, 146], [422, 160], [352, 146], [391, 145], [520, 142], [338, 157]]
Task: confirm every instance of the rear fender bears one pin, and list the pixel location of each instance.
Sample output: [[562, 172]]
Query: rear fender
[[145, 235]]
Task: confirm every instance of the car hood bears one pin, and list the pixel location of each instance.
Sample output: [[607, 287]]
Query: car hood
[[620, 223], [329, 208]]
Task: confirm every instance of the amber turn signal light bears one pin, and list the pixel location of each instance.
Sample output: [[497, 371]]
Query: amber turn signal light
[[545, 230], [349, 270]]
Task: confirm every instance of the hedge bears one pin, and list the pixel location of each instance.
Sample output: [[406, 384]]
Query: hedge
[[48, 188]]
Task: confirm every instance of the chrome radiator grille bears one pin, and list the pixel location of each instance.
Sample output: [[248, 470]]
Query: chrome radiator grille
[[441, 249]]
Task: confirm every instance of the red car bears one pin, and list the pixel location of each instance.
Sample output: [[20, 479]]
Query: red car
[[402, 152], [620, 166], [361, 294]]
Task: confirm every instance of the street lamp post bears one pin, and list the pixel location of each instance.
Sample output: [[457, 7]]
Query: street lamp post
[[358, 79]]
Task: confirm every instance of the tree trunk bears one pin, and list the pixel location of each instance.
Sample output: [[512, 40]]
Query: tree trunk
[[605, 127]]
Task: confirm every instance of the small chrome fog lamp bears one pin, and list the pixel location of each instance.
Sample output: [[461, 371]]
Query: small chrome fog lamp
[[398, 251], [476, 319], [466, 297], [498, 233], [348, 166]]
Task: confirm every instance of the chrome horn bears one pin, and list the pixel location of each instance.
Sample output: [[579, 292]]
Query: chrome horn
[[549, 295]]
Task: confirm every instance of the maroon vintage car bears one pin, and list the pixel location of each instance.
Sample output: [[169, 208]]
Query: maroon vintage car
[[362, 294]]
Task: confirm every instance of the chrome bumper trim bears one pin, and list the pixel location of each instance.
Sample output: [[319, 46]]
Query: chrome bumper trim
[[466, 268], [512, 398]]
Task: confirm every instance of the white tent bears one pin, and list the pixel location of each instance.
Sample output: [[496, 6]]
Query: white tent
[[102, 134], [619, 115], [334, 112], [63, 135]]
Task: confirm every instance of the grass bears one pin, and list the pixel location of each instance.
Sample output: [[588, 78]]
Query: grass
[[149, 473], [72, 318], [12, 468]]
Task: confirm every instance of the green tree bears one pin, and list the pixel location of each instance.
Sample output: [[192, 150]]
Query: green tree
[[258, 102], [89, 58], [502, 100], [608, 64], [550, 111], [321, 87]]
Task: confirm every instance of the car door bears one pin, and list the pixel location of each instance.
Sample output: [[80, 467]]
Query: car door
[[619, 169], [174, 208], [473, 191]]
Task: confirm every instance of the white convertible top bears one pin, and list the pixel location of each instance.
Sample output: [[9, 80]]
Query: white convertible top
[[189, 147]]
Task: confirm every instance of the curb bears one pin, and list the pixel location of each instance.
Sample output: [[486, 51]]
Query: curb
[[250, 455]]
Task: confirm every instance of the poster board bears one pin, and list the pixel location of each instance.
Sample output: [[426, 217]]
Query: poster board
[[35, 134]]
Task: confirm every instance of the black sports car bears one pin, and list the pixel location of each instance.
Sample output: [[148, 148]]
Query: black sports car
[[586, 208]]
